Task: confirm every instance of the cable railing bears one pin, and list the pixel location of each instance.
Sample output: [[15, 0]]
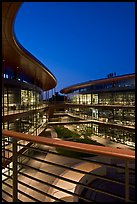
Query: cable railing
[[53, 170]]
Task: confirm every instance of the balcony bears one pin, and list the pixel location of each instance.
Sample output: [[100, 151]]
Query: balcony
[[53, 170]]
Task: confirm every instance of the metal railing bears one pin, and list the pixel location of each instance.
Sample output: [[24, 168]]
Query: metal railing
[[47, 170]]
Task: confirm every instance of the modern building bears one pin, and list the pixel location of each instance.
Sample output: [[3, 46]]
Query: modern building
[[33, 170], [110, 105], [24, 79]]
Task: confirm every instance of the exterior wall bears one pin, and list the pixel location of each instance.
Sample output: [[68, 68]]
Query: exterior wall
[[121, 93], [26, 124], [19, 95], [23, 79]]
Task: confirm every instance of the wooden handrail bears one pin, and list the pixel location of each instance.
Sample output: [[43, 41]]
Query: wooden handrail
[[85, 148]]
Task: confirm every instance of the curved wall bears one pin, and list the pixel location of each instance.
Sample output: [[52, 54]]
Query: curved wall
[[23, 80], [105, 83]]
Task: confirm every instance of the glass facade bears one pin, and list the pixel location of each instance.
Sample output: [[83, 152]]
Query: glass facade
[[115, 105], [19, 97]]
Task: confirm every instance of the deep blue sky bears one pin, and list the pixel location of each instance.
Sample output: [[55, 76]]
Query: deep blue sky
[[79, 41]]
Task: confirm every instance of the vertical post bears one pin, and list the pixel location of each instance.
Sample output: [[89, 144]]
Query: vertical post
[[126, 181], [3, 71], [15, 172], [36, 123], [7, 100]]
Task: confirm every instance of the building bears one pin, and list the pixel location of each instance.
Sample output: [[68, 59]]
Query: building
[[24, 116], [24, 79], [109, 103]]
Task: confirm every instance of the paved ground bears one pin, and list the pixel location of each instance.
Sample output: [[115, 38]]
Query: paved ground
[[107, 142], [103, 141], [39, 175]]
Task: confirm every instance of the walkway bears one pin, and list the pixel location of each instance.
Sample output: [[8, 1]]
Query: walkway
[[105, 142], [109, 143]]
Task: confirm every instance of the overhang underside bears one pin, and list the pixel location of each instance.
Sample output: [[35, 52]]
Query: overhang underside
[[72, 88], [14, 55]]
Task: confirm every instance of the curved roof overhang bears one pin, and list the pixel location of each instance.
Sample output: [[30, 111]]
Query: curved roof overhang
[[14, 55], [72, 88]]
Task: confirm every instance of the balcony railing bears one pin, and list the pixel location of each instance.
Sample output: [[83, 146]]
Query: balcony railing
[[42, 169], [18, 109]]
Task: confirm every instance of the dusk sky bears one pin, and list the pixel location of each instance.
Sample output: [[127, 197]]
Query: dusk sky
[[79, 41]]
